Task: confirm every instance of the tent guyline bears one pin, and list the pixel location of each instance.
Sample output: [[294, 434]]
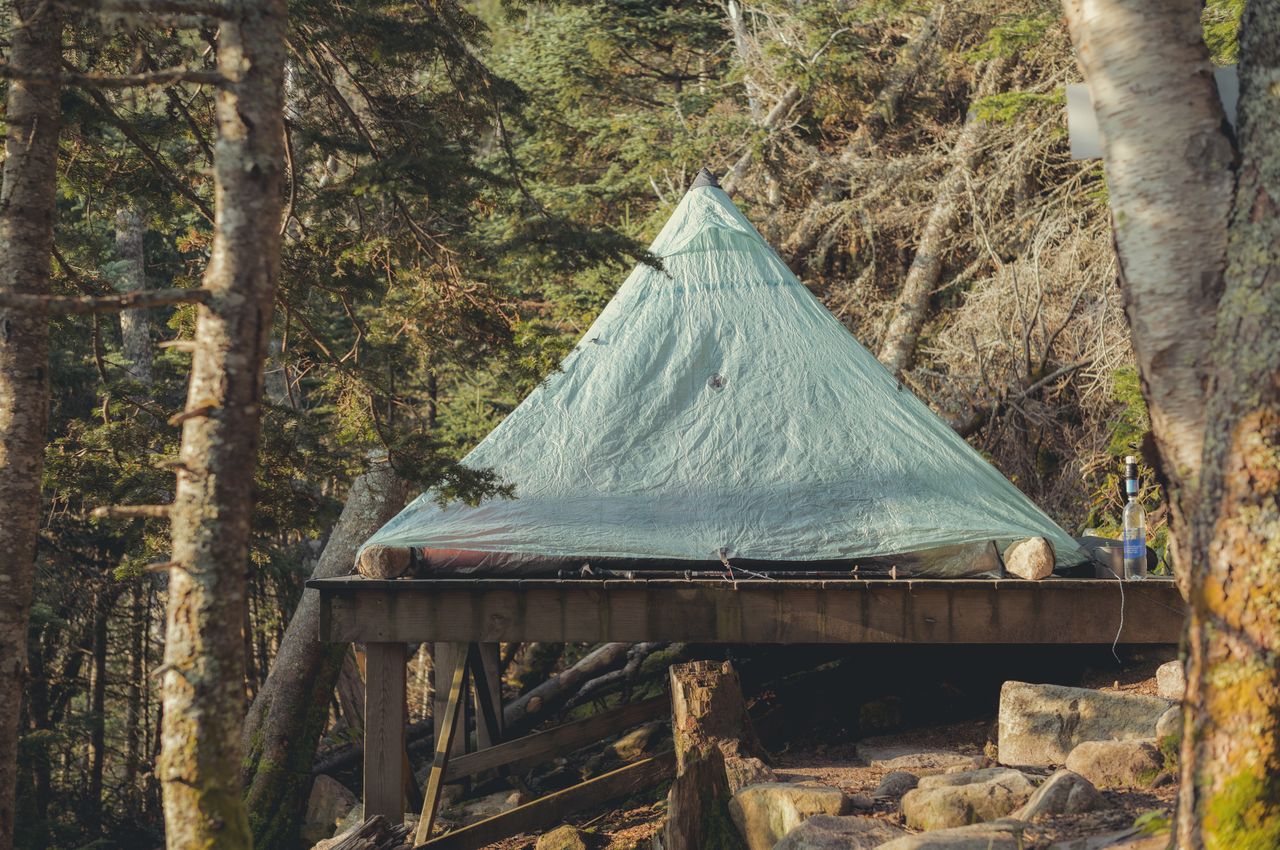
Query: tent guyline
[[717, 413]]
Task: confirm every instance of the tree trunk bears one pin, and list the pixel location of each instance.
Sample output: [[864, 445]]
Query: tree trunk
[[134, 710], [1151, 80], [709, 724], [98, 715], [1230, 793], [288, 716], [911, 309], [26, 242], [135, 326], [200, 759]]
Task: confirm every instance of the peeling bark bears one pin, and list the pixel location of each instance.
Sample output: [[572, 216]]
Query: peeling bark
[[26, 243], [204, 663], [1168, 166], [1230, 793]]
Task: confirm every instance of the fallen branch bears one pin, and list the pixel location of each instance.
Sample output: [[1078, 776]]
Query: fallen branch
[[635, 657], [80, 305], [523, 712]]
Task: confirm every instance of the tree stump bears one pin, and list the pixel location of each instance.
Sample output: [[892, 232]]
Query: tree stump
[[710, 724], [707, 707]]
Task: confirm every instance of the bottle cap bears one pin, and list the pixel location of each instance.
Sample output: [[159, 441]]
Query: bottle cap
[[1130, 459]]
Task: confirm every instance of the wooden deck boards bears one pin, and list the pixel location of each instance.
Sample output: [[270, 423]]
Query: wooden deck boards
[[785, 611]]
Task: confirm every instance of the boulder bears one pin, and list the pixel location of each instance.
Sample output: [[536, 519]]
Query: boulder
[[329, 803], [765, 813], [1117, 764], [742, 772], [1030, 559], [895, 784], [926, 763], [564, 837], [1041, 724], [1004, 834], [829, 832], [1171, 680], [1170, 724], [958, 799], [1126, 839], [1063, 793], [482, 808]]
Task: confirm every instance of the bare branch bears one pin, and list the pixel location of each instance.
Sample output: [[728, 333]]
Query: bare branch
[[132, 512], [146, 79], [80, 305]]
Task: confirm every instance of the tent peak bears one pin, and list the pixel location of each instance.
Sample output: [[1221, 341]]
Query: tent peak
[[706, 177]]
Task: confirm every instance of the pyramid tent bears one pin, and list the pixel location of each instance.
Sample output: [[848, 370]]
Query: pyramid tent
[[717, 409]]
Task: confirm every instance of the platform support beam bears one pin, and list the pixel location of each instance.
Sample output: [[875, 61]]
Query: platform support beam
[[384, 731]]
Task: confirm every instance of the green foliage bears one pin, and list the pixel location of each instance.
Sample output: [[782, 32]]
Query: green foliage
[[1154, 822], [1221, 22], [1006, 107], [1010, 36]]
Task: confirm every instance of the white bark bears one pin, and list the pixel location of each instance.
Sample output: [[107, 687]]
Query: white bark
[[135, 326]]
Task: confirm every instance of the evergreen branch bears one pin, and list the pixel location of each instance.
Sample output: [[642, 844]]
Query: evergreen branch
[[147, 79], [195, 8], [80, 305]]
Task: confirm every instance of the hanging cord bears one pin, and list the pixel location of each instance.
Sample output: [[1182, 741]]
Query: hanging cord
[[1120, 628], [731, 570]]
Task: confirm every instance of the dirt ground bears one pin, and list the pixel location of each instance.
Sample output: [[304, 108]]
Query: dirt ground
[[632, 824]]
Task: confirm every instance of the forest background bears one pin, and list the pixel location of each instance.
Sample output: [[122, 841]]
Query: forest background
[[467, 185]]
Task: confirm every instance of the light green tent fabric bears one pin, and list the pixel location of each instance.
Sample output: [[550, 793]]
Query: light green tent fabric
[[717, 406]]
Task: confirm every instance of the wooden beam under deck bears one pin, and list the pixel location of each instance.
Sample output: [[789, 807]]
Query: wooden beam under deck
[[925, 611]]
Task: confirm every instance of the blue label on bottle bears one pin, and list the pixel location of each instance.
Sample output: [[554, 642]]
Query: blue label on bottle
[[1134, 546]]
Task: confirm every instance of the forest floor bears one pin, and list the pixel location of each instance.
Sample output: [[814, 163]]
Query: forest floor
[[846, 764]]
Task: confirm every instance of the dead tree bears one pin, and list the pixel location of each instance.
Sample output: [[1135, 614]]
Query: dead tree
[[710, 725], [32, 116], [203, 685], [911, 309], [135, 327]]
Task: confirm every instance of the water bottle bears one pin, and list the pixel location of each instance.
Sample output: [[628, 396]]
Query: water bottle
[[1135, 524]]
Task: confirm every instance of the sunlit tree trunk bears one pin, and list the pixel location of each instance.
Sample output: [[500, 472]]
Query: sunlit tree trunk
[[203, 686], [135, 326], [1214, 394], [26, 243]]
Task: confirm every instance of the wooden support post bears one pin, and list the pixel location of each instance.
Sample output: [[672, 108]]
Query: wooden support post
[[448, 728], [445, 657], [487, 679], [384, 731]]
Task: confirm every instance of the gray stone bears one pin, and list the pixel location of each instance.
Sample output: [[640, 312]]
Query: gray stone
[[895, 784], [828, 832], [958, 799], [765, 813], [564, 837], [328, 804], [1126, 839], [1030, 559], [473, 811], [1041, 724], [928, 763], [742, 772], [1117, 764], [1171, 681], [1004, 834], [1170, 724], [1063, 793]]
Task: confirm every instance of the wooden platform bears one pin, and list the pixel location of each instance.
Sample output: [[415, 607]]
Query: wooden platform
[[930, 611], [466, 619]]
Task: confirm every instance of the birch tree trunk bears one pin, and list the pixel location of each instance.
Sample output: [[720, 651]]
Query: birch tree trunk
[[1149, 73], [203, 685], [26, 244], [1169, 171], [287, 718], [135, 326], [1230, 793], [911, 308]]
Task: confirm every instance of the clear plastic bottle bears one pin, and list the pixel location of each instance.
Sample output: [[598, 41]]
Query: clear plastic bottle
[[1135, 524]]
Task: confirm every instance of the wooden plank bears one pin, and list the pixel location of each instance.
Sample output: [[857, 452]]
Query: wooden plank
[[553, 808], [485, 660], [445, 658], [533, 749], [1072, 611], [384, 731], [449, 723]]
